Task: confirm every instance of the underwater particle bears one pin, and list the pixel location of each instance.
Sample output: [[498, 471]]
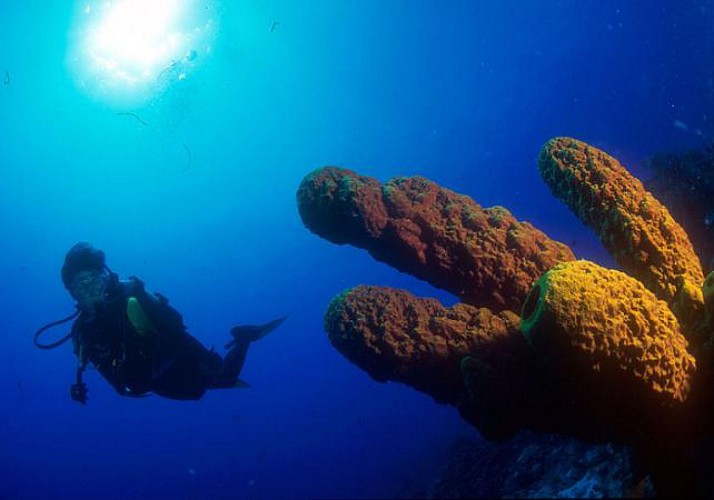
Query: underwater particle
[[274, 25], [482, 255], [191, 471], [709, 218], [120, 46], [180, 67], [173, 65], [184, 146], [6, 81]]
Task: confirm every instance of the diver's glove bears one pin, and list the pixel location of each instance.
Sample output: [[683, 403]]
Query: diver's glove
[[136, 282], [78, 392]]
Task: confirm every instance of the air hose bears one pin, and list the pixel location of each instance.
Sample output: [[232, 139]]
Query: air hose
[[59, 342]]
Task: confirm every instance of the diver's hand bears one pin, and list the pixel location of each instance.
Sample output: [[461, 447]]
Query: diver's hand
[[162, 299], [78, 392], [139, 284]]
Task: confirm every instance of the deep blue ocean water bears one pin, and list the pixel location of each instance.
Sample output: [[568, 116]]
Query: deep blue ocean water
[[188, 181]]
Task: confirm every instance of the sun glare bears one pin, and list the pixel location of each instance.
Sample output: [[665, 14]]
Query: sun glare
[[136, 48]]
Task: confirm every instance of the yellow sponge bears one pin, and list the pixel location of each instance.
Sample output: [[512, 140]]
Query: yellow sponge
[[606, 329]]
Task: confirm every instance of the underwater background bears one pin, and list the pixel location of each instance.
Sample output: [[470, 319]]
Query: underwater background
[[188, 180]]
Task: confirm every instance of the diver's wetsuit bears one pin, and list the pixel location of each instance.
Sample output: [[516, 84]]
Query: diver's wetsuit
[[166, 360]]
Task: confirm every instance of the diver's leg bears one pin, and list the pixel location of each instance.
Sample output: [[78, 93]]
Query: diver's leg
[[234, 360], [227, 376], [184, 368]]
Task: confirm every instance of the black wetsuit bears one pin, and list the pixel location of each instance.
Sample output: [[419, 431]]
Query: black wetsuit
[[166, 361]]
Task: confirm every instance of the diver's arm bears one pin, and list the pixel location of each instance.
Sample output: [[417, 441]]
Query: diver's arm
[[135, 288], [162, 315], [78, 390]]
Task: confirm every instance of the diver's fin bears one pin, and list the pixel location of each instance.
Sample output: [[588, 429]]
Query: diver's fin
[[241, 384], [253, 332]]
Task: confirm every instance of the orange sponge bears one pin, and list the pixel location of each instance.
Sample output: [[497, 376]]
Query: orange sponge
[[482, 255], [393, 335]]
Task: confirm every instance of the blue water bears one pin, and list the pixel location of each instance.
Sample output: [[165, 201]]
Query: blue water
[[197, 197]]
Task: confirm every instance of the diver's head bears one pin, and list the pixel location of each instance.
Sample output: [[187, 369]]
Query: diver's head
[[85, 274]]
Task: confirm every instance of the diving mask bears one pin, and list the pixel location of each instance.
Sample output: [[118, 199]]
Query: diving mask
[[90, 287]]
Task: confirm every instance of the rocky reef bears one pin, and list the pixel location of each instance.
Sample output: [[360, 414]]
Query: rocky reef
[[537, 466]]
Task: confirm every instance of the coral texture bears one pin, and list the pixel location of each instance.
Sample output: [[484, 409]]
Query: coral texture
[[600, 355], [536, 466], [607, 330], [393, 335], [634, 227], [482, 255]]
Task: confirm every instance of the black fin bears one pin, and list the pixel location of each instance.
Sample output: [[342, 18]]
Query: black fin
[[253, 332]]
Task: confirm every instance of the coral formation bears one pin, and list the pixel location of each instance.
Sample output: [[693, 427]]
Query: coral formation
[[484, 256], [599, 354], [631, 223], [634, 227], [536, 466], [393, 335], [607, 330]]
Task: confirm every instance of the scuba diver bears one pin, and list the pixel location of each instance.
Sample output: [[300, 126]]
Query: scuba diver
[[137, 341]]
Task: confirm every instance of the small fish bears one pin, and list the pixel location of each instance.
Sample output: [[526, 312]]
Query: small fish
[[680, 124], [134, 115], [170, 67], [274, 25], [7, 78], [709, 219]]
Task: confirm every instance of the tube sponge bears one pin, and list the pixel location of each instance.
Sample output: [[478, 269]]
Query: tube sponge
[[609, 333], [393, 335], [482, 255], [632, 224]]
